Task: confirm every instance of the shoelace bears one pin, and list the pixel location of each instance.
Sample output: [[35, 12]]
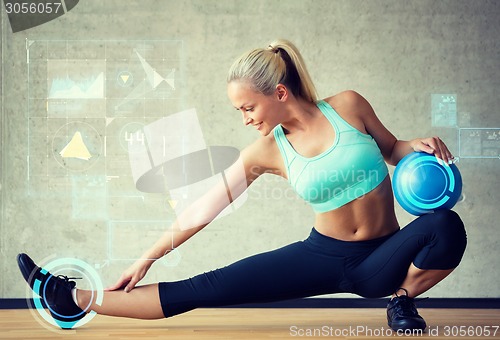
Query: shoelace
[[406, 294], [404, 305], [66, 279]]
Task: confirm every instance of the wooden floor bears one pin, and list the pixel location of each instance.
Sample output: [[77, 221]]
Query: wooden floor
[[259, 324]]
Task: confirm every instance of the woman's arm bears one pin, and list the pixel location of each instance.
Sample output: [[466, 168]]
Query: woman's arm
[[204, 210], [252, 162], [392, 149]]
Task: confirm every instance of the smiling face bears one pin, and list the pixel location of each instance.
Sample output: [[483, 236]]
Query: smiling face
[[258, 110]]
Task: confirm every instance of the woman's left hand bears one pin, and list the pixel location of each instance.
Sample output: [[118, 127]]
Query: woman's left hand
[[132, 275], [433, 145]]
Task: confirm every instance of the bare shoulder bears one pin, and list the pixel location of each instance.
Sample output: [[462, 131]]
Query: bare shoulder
[[352, 107], [350, 101], [263, 156]]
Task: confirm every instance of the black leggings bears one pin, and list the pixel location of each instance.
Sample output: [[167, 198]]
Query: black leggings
[[324, 265]]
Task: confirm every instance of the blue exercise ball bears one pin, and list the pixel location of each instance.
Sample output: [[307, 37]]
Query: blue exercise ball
[[422, 184]]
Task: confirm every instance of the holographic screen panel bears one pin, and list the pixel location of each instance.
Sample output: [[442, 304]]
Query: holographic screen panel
[[175, 158], [87, 100], [479, 142]]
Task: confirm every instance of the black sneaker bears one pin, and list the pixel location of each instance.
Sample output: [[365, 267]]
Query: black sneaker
[[54, 290], [402, 313]]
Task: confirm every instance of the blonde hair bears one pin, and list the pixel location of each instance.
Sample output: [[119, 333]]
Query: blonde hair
[[279, 63]]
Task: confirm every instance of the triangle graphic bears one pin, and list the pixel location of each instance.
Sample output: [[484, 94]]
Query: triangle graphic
[[109, 120], [76, 148], [173, 203], [170, 79], [154, 78], [157, 79], [124, 78], [150, 72]]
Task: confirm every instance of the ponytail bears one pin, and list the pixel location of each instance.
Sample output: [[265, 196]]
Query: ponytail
[[280, 63]]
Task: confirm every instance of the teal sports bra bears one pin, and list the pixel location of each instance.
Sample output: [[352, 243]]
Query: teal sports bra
[[349, 169]]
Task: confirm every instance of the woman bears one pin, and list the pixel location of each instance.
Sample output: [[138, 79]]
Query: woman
[[333, 152]]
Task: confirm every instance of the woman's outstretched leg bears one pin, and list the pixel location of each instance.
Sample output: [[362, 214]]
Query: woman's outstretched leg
[[142, 302], [293, 271], [57, 292]]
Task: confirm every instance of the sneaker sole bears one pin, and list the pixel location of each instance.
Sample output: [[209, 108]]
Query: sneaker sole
[[406, 325]]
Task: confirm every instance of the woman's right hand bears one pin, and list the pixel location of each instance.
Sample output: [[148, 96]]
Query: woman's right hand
[[132, 275]]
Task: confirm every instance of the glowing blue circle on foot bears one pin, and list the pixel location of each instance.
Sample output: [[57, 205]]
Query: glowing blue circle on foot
[[423, 184], [61, 266]]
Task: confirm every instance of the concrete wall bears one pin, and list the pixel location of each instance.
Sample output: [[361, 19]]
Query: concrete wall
[[398, 54]]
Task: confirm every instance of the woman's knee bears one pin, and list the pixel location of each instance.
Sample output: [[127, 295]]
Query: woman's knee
[[447, 224], [447, 243]]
